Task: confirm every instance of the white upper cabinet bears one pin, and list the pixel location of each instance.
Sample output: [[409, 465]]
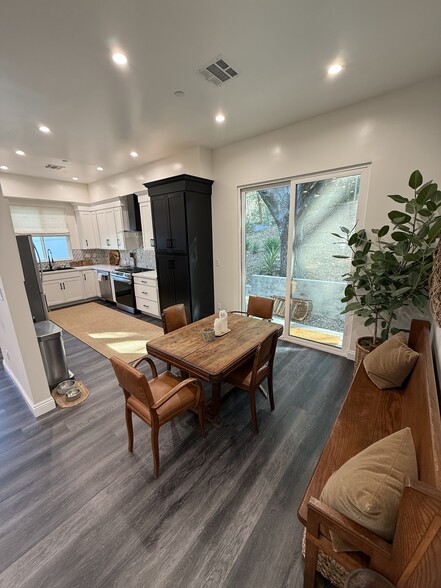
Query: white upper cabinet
[[87, 229], [146, 223]]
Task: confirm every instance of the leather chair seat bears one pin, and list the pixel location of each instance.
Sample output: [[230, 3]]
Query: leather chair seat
[[242, 375]]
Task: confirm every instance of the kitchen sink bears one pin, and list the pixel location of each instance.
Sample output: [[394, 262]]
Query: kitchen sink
[[59, 269]]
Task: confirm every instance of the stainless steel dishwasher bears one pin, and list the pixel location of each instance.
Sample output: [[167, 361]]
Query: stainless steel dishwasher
[[105, 284]]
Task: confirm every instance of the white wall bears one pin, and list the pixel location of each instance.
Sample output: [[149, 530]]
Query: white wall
[[15, 186], [196, 161], [397, 132], [21, 354]]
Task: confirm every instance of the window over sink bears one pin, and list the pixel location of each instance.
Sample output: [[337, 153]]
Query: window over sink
[[59, 246]]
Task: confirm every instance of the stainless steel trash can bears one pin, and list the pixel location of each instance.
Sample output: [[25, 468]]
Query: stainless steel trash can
[[50, 341]]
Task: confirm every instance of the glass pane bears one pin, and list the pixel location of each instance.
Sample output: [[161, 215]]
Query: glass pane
[[59, 247], [39, 246], [266, 245], [321, 208]]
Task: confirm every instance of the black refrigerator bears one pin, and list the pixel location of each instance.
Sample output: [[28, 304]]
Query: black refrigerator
[[33, 278]]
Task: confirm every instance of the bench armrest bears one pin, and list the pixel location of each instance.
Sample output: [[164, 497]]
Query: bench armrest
[[361, 538]]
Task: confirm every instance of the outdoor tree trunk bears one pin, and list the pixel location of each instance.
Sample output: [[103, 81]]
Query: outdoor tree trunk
[[277, 202]]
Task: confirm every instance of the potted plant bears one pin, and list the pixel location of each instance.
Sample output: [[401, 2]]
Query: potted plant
[[392, 268]]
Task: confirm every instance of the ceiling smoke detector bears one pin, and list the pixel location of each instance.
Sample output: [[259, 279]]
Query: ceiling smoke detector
[[54, 166], [218, 71]]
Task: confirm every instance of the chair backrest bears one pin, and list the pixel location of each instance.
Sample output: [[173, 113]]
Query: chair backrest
[[132, 381], [264, 354], [260, 307], [174, 317]]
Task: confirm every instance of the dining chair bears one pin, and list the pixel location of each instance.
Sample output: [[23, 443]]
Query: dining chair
[[156, 401], [249, 377], [259, 307], [174, 317]]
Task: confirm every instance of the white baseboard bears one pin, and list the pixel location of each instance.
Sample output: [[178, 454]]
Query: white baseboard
[[350, 355], [37, 409]]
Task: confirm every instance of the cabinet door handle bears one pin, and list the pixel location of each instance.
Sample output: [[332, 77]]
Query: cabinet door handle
[[145, 292], [61, 287], [146, 305], [117, 240], [152, 242], [87, 243], [84, 276], [108, 241]]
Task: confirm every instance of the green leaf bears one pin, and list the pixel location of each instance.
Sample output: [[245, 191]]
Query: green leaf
[[416, 179], [410, 207], [341, 256], [434, 230], [398, 198], [399, 218], [401, 291], [352, 240], [426, 192], [383, 231], [431, 205], [369, 322], [424, 212], [337, 235], [352, 306], [398, 236], [344, 230]]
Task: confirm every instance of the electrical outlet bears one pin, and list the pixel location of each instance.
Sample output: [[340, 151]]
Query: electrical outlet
[[216, 262]]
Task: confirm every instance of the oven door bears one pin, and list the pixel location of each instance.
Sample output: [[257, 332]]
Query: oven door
[[124, 293]]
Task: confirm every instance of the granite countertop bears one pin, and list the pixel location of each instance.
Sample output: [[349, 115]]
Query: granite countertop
[[152, 275], [103, 267]]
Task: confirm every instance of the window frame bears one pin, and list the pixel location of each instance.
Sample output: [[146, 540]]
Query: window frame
[[44, 257]]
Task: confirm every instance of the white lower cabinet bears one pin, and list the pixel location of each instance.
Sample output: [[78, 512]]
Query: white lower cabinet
[[63, 287], [146, 293], [70, 286], [90, 283]]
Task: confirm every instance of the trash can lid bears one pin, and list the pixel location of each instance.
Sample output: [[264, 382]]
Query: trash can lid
[[47, 330]]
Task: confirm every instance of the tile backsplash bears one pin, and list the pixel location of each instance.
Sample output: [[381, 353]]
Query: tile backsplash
[[140, 258]]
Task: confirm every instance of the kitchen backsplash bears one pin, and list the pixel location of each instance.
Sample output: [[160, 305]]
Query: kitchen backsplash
[[141, 258]]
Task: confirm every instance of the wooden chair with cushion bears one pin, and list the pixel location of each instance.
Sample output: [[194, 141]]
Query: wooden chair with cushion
[[173, 318], [259, 307], [156, 401], [250, 376]]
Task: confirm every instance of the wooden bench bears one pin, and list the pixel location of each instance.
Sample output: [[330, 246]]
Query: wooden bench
[[413, 559]]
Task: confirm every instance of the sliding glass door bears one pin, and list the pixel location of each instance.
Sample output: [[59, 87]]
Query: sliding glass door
[[288, 232]]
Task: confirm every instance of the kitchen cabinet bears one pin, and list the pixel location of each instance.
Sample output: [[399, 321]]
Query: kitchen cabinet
[[182, 228], [90, 283], [87, 229], [146, 294], [107, 229], [146, 223], [63, 287]]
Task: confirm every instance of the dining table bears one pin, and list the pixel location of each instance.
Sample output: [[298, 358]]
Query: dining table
[[212, 361]]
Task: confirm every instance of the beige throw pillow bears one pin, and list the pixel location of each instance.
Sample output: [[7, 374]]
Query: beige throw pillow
[[368, 487], [391, 362]]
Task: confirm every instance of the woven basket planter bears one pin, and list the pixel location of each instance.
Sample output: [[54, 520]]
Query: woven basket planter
[[361, 350]]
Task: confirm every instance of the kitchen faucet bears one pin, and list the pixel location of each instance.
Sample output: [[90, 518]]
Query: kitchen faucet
[[50, 259]]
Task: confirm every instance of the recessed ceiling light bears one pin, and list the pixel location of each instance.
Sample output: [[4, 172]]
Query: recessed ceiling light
[[20, 152], [133, 154], [334, 69], [119, 58], [220, 118], [99, 168], [4, 167], [44, 129], [75, 179]]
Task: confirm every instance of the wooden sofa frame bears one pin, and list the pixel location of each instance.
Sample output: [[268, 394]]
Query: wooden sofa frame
[[413, 559]]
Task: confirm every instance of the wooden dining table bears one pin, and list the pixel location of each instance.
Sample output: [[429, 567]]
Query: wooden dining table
[[212, 361]]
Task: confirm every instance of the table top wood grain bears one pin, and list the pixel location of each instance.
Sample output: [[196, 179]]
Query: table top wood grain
[[212, 360]]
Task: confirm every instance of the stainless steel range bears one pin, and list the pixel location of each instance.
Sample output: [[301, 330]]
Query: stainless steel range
[[122, 279]]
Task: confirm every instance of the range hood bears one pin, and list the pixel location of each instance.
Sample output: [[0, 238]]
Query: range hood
[[134, 213]]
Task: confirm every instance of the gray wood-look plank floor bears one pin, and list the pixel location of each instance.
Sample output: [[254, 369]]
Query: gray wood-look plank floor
[[76, 509]]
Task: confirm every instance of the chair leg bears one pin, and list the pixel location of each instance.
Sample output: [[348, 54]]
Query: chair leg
[[252, 396], [264, 393], [129, 424], [168, 367], [270, 390], [201, 411], [155, 450]]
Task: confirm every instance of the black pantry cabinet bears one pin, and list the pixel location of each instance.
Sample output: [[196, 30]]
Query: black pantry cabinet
[[181, 214]]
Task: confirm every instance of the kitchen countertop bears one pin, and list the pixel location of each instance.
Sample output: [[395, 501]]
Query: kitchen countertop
[[104, 268]]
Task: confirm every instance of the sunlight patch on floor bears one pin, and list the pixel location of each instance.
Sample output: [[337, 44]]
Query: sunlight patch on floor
[[112, 335], [135, 346]]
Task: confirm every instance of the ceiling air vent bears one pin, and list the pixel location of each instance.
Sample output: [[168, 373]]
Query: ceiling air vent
[[218, 71], [54, 166]]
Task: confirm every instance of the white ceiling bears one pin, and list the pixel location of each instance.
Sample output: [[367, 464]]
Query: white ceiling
[[55, 69]]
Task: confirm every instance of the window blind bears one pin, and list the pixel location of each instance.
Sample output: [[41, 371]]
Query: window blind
[[39, 220]]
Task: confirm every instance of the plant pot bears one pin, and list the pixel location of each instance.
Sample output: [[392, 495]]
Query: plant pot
[[363, 346]]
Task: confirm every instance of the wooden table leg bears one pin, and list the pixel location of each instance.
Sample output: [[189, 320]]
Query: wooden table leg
[[216, 388]]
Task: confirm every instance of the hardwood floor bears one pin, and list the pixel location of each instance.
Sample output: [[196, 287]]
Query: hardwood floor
[[76, 509]]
